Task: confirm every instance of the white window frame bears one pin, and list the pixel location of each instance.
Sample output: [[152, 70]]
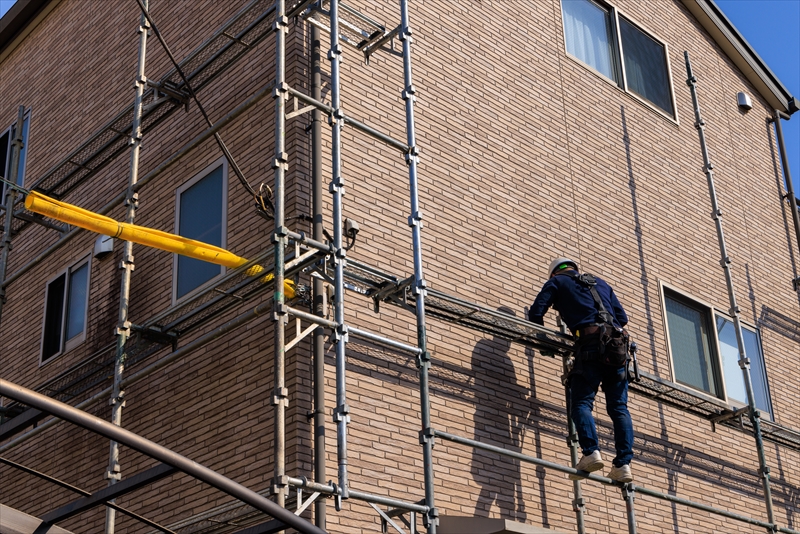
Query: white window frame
[[27, 117], [178, 192], [619, 57], [716, 357], [66, 345]]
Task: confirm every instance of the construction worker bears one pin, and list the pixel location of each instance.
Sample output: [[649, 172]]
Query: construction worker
[[590, 309]]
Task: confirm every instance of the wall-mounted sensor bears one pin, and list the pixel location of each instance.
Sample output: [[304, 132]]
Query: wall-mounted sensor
[[103, 246], [745, 104]]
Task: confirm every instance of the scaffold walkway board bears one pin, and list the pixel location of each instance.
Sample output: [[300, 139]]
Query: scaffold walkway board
[[236, 38], [386, 288]]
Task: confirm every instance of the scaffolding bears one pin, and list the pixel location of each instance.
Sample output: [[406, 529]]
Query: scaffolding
[[142, 349]]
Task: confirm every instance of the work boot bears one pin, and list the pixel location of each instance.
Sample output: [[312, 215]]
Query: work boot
[[589, 463], [621, 474]]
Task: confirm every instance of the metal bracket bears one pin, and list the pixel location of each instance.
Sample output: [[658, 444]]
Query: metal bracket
[[279, 484], [280, 397], [385, 519], [427, 435], [341, 413]]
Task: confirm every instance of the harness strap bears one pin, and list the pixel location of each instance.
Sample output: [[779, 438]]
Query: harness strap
[[590, 281]]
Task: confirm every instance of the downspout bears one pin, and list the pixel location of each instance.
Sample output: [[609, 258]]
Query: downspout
[[122, 331], [787, 174]]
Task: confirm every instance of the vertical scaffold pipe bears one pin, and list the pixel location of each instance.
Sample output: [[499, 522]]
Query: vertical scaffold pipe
[[122, 331], [319, 285], [725, 262], [787, 174], [280, 397], [341, 415], [629, 494], [10, 200], [578, 504], [431, 519]]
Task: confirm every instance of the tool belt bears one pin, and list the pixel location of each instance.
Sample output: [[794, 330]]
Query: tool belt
[[604, 343]]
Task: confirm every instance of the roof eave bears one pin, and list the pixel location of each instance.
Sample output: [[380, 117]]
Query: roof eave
[[742, 54], [18, 22]]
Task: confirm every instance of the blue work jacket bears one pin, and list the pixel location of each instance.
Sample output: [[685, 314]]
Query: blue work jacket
[[573, 301]]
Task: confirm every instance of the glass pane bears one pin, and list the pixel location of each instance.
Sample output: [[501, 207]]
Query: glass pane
[[587, 32], [645, 66], [23, 155], [76, 301], [691, 352], [53, 313], [200, 219], [734, 380]]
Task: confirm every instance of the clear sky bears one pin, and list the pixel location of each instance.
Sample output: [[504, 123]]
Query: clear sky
[[772, 27]]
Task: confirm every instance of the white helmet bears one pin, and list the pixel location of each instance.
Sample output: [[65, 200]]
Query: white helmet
[[556, 263]]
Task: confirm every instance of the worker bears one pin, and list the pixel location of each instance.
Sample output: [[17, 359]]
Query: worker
[[594, 315]]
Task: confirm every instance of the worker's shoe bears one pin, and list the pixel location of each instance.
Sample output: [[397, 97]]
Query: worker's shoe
[[621, 474], [589, 463]]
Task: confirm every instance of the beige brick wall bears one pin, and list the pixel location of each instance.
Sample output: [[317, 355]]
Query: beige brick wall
[[526, 154]]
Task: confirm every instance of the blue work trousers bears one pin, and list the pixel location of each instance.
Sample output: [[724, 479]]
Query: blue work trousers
[[583, 389]]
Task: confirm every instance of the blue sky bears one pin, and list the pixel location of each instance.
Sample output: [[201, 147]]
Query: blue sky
[[772, 27]]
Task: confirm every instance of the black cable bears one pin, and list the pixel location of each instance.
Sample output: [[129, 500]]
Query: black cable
[[261, 200]]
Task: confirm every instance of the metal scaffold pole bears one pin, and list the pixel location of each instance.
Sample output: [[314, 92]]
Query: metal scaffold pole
[[341, 414], [319, 296], [431, 519], [578, 504], [122, 331], [10, 200], [725, 262], [280, 396]]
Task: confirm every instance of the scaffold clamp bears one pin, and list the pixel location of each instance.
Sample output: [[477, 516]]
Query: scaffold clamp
[[427, 435], [341, 414], [431, 518], [280, 397]]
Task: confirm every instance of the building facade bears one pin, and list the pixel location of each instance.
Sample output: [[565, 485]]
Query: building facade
[[544, 129]]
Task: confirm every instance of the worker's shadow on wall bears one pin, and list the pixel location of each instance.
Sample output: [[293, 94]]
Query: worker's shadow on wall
[[500, 410]]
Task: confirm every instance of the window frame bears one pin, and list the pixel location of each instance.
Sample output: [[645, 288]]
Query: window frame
[[26, 141], [221, 162], [66, 345], [618, 56], [711, 313]]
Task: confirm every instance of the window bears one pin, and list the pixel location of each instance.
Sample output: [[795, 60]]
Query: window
[[734, 380], [201, 215], [5, 154], [705, 354], [691, 345], [66, 302], [600, 37]]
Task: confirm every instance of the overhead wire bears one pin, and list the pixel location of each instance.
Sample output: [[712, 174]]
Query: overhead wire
[[263, 202]]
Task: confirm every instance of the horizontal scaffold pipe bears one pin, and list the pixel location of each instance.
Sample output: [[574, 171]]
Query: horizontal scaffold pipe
[[149, 177], [150, 237], [399, 145], [359, 495], [182, 352], [604, 480], [357, 332], [154, 450]]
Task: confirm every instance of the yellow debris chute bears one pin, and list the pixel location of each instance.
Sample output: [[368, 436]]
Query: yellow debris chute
[[94, 222]]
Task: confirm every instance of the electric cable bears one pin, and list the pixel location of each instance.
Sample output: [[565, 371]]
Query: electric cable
[[263, 202]]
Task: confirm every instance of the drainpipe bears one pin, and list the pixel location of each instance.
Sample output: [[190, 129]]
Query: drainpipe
[[319, 298], [787, 173], [11, 198], [113, 473]]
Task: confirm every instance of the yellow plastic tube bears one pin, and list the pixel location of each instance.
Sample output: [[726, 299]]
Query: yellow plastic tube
[[94, 222]]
